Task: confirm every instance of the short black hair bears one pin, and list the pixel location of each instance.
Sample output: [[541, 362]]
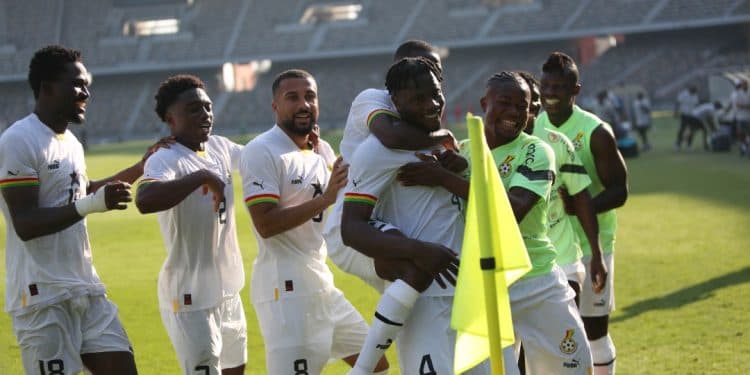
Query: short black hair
[[48, 64], [560, 63], [530, 80], [507, 77], [413, 48], [291, 73], [171, 88], [404, 72]]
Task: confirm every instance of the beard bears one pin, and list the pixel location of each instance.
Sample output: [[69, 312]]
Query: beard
[[292, 127]]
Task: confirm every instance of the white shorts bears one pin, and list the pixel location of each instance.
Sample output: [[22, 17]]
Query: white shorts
[[575, 272], [601, 304], [301, 334], [210, 339], [427, 343], [55, 336], [546, 322]]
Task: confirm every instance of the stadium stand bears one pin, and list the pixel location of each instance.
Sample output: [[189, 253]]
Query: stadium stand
[[662, 46]]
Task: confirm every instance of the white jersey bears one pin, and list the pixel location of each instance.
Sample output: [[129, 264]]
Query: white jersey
[[741, 98], [686, 102], [430, 214], [293, 263], [57, 266], [365, 106], [326, 152], [203, 264]]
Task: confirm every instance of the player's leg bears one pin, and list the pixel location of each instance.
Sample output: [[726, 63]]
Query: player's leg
[[575, 273], [49, 340], [552, 331], [392, 311], [196, 339], [106, 348], [233, 337], [681, 132], [595, 310], [297, 334]]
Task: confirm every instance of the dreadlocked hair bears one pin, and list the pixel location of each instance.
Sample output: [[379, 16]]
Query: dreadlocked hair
[[403, 73], [507, 77]]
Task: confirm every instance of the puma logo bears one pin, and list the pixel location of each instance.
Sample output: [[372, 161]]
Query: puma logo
[[258, 184]]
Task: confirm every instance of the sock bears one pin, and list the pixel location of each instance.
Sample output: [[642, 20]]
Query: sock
[[603, 353], [394, 307]]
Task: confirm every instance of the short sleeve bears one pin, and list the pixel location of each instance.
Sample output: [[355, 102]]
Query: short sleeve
[[536, 171], [260, 179], [158, 168], [326, 152], [18, 162], [370, 173]]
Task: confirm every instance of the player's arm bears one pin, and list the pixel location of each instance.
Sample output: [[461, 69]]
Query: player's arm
[[270, 219], [610, 167], [521, 201], [392, 132], [436, 170], [31, 221], [357, 233], [154, 196], [132, 173], [584, 211]]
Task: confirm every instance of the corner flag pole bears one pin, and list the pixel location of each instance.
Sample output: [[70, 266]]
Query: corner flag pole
[[487, 259]]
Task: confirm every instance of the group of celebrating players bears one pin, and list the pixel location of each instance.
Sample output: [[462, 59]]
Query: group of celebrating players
[[398, 191]]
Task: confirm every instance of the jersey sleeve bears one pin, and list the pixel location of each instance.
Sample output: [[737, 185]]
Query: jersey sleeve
[[369, 104], [260, 180], [235, 154], [326, 152], [572, 173], [536, 172], [18, 162], [157, 168], [370, 173]]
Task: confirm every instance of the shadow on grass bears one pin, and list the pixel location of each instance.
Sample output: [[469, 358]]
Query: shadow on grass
[[685, 296]]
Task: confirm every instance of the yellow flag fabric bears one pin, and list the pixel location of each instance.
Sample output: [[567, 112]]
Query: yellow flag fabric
[[491, 231]]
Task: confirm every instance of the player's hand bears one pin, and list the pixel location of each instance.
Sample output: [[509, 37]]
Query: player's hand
[[452, 161], [212, 183], [598, 273], [445, 138], [162, 143], [426, 172], [567, 201], [117, 195], [338, 180], [438, 261]]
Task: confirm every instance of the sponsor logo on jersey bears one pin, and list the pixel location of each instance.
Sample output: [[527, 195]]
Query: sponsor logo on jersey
[[55, 165], [12, 173], [553, 137], [578, 141], [505, 167], [356, 182], [386, 345], [188, 299], [258, 184], [297, 181], [574, 363], [568, 345], [288, 285], [530, 154], [599, 302]]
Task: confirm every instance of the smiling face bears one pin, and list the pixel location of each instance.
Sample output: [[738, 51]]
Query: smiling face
[[70, 92], [296, 105], [421, 103], [190, 118], [506, 108], [558, 92]]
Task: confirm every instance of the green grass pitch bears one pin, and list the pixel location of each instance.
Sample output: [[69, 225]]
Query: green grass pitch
[[683, 269]]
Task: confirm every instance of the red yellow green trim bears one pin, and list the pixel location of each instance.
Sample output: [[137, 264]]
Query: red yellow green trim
[[360, 198], [19, 182], [376, 112], [261, 198]]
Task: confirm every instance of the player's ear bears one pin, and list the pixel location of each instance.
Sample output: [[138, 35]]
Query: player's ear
[[576, 89], [483, 103]]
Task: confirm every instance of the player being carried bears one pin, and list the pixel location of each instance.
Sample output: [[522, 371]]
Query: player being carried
[[62, 319], [545, 319], [201, 278], [412, 308]]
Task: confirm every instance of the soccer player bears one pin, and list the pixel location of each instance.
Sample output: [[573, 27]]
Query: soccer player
[[545, 319], [304, 318], [686, 101], [412, 308], [572, 177], [372, 111], [61, 316], [596, 147], [201, 278]]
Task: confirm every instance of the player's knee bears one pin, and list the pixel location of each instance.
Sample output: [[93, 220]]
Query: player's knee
[[596, 326]]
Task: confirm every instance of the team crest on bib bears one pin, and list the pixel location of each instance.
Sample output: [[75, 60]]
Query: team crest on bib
[[577, 141], [505, 166], [568, 345], [553, 137]]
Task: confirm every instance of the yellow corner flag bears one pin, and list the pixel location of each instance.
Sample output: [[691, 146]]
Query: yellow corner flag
[[493, 257]]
